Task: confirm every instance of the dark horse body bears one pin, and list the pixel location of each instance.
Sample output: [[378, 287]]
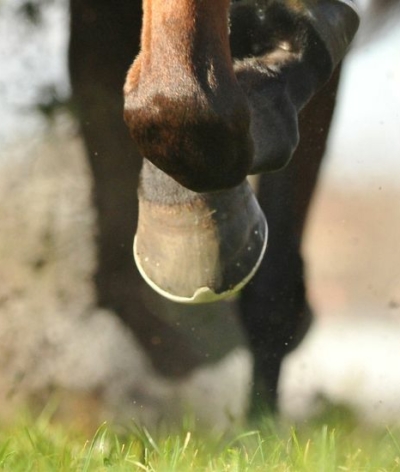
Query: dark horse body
[[104, 39]]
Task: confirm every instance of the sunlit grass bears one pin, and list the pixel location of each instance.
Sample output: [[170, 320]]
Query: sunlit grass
[[38, 445]]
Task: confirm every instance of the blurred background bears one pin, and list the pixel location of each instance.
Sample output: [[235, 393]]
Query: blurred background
[[353, 236], [352, 243]]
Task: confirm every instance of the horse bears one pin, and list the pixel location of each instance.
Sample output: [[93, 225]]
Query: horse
[[203, 122]]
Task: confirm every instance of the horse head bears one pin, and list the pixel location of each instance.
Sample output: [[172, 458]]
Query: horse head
[[203, 122]]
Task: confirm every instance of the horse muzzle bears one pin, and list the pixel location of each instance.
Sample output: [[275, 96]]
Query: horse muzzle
[[202, 250]]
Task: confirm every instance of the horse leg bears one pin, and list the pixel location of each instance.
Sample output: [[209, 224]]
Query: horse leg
[[103, 41], [274, 308]]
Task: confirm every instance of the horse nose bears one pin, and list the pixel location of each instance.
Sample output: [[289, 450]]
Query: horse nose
[[203, 251]]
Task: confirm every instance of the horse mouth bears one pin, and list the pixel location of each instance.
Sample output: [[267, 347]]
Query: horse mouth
[[204, 251]]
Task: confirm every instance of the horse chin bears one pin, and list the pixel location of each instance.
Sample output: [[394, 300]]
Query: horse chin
[[204, 250]]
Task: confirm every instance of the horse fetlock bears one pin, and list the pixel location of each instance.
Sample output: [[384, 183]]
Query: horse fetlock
[[202, 145]]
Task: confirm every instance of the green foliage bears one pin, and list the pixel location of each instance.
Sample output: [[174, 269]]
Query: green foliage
[[40, 446]]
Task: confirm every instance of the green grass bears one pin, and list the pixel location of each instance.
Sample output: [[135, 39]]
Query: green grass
[[40, 446]]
